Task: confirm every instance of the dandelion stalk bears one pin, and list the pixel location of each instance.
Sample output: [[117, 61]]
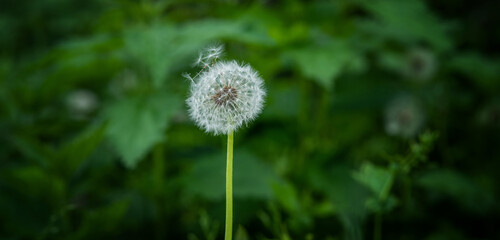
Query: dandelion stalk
[[229, 187], [223, 97]]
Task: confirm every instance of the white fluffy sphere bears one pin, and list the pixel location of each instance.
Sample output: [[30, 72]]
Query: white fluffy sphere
[[225, 96], [404, 117]]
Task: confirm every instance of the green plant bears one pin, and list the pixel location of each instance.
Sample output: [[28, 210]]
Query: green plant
[[224, 95]]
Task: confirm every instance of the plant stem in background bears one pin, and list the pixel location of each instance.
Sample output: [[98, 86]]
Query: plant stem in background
[[229, 187], [158, 176], [158, 166], [377, 227]]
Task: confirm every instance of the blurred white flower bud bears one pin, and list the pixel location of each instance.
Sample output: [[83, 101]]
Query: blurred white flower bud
[[420, 64], [224, 96], [81, 103], [403, 117]]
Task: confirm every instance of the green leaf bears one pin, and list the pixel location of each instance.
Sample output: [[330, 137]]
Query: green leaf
[[244, 30], [376, 205], [241, 234], [377, 179], [282, 104], [347, 195], [288, 199], [482, 71], [209, 226], [73, 153], [32, 149], [137, 123], [74, 61], [29, 196], [451, 184], [103, 220], [158, 48], [408, 20], [152, 48], [252, 178], [35, 183], [448, 182], [287, 196], [325, 63]]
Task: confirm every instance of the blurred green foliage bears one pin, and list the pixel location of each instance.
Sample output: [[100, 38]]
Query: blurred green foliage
[[382, 120]]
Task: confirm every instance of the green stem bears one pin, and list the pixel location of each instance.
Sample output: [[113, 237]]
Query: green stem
[[158, 176], [229, 187], [377, 228], [158, 166]]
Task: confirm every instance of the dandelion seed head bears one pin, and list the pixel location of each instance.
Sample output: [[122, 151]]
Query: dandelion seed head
[[421, 64], [81, 103], [404, 117], [225, 96]]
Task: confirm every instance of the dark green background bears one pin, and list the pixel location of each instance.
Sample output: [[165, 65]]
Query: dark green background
[[96, 142]]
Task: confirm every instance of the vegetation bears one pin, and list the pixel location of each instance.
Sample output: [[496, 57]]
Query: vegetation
[[381, 120]]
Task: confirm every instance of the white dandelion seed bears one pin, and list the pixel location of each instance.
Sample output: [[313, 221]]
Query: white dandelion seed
[[404, 117], [81, 103], [209, 55], [224, 96], [420, 65]]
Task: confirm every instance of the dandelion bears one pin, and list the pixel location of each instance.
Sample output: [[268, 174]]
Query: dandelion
[[224, 96], [81, 103], [403, 117], [421, 64]]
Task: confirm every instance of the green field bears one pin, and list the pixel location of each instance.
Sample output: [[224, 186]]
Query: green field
[[381, 120]]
